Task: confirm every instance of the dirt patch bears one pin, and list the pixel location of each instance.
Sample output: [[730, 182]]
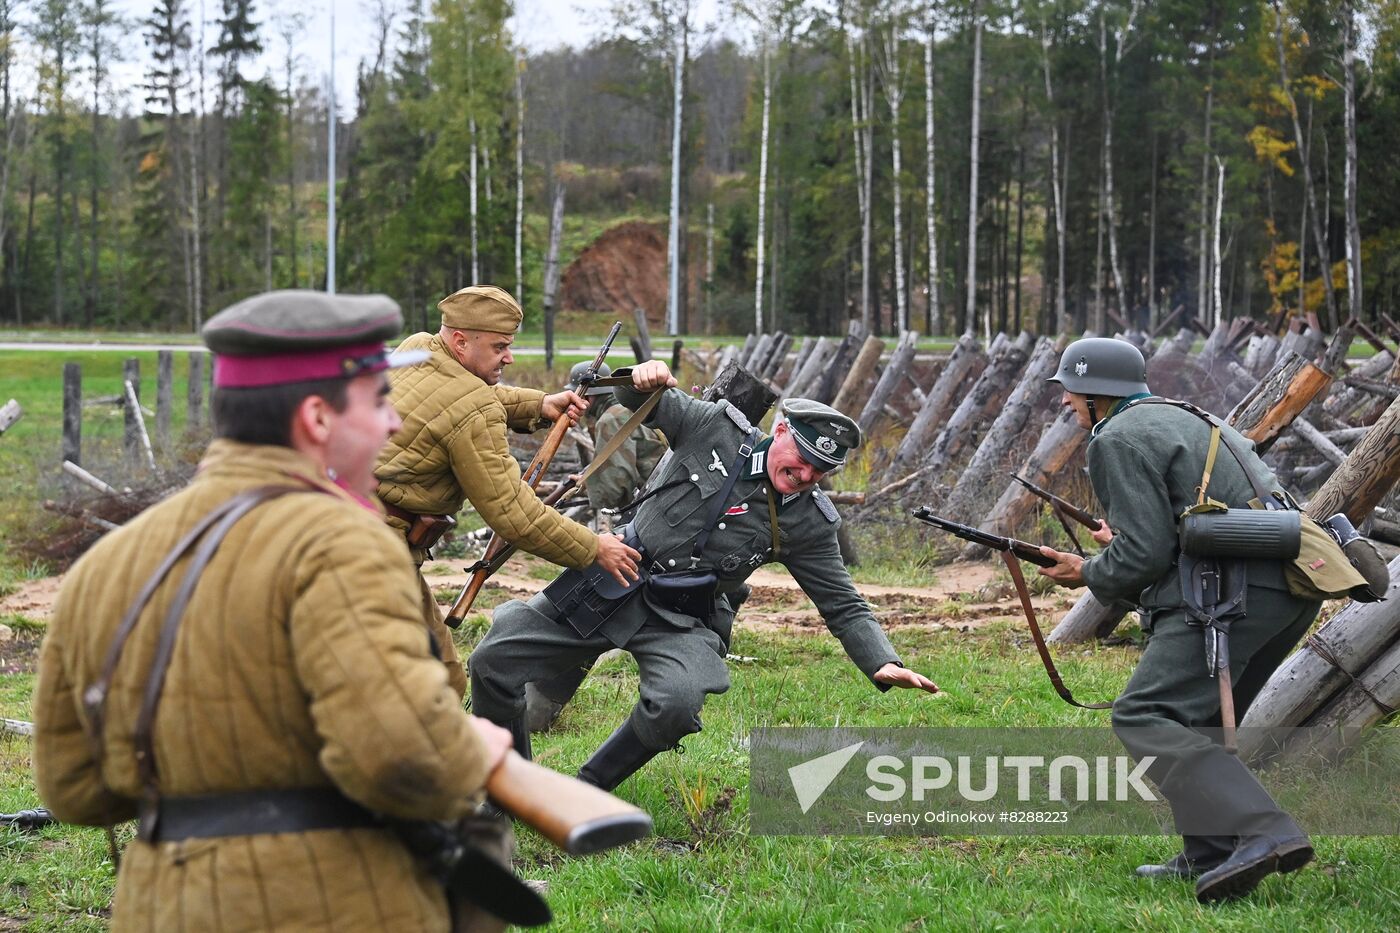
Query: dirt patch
[[625, 268], [964, 597], [34, 599], [20, 655]]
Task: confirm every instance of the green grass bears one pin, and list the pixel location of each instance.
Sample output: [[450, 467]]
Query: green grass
[[704, 870], [31, 450]]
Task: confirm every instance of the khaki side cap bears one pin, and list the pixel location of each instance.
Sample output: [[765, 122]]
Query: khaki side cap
[[481, 307]]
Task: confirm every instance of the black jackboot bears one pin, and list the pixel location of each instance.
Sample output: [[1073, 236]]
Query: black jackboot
[[1199, 855], [617, 759], [520, 736]]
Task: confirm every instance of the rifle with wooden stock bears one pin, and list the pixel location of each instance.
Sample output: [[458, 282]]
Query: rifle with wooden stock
[[1012, 548], [498, 548], [1064, 510], [573, 815]]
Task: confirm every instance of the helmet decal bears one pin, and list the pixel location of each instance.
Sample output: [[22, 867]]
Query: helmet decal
[[1081, 368]]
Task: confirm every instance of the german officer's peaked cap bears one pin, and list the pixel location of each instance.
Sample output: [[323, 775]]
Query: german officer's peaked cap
[[822, 433]]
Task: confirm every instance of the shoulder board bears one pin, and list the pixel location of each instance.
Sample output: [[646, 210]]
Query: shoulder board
[[736, 416], [825, 506]]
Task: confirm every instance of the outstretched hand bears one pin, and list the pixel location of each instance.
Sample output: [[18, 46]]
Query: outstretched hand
[[896, 676]]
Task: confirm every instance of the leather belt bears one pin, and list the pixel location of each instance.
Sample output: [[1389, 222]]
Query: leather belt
[[400, 513], [254, 813]]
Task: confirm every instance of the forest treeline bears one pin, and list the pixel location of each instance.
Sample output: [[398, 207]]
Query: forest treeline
[[941, 166]]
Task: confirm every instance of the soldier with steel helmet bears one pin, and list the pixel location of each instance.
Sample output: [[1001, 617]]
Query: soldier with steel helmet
[[1147, 457]]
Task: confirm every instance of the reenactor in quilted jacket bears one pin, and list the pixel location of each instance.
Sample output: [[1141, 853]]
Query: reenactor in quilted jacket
[[301, 704], [452, 448]]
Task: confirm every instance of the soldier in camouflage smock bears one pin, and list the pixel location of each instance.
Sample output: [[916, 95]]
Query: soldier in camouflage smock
[[680, 655]]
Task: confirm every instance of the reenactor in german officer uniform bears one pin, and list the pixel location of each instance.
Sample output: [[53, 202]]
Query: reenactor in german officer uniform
[[1146, 462], [277, 698], [613, 486], [729, 501], [452, 448]]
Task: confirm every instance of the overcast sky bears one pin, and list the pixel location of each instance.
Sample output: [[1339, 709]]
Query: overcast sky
[[539, 24]]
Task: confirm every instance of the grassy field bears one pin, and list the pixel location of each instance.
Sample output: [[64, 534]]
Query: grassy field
[[704, 870]]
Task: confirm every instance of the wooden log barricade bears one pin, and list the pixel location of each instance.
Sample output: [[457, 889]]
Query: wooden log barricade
[[1028, 397], [1277, 399], [1333, 676], [821, 354], [855, 388], [1059, 443], [785, 371], [823, 388], [889, 380], [759, 354], [965, 364], [977, 407]]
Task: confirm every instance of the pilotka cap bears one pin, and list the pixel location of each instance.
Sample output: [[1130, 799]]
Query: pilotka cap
[[481, 307], [289, 336]]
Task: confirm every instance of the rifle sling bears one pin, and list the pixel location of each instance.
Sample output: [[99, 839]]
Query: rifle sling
[[1014, 565], [614, 444]]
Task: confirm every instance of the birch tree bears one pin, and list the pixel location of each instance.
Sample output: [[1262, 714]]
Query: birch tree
[[674, 278], [1108, 82], [1349, 111], [892, 84], [98, 21], [934, 316], [971, 310], [520, 176], [1059, 192], [55, 30], [1303, 144], [863, 138]]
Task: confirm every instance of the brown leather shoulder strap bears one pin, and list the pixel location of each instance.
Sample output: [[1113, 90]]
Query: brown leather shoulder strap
[[208, 534]]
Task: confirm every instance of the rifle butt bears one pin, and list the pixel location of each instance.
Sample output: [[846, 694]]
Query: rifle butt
[[575, 816], [464, 601]]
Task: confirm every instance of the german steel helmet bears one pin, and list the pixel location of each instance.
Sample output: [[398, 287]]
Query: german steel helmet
[[1102, 366], [579, 369]]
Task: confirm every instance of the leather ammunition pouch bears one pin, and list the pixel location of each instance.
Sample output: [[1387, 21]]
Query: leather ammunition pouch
[[689, 592], [587, 598]]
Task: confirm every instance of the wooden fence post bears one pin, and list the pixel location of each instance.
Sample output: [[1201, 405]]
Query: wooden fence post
[[131, 434], [73, 412], [165, 376], [194, 396]]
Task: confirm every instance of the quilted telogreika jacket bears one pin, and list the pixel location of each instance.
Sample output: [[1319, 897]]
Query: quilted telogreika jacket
[[452, 448], [301, 662]]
